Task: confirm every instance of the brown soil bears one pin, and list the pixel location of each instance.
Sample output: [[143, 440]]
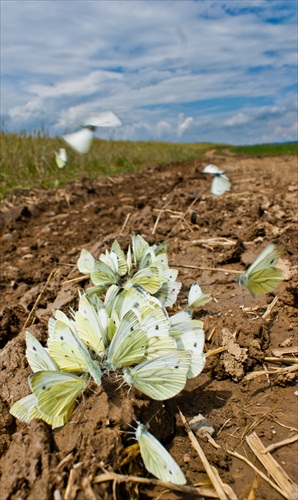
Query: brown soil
[[42, 235]]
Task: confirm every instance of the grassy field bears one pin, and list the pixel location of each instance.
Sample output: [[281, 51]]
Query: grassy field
[[28, 161], [288, 148]]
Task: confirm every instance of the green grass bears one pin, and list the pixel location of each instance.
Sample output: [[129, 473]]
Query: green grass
[[27, 161], [290, 148]]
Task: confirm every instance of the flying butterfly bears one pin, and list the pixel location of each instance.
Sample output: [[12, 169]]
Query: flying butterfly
[[220, 183], [262, 276], [81, 140], [61, 158]]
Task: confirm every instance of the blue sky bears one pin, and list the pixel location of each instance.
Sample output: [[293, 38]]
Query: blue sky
[[180, 71]]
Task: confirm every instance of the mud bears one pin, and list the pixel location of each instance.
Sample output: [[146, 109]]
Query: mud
[[42, 234]]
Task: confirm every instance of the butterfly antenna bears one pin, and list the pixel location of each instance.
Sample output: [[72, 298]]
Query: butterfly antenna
[[154, 415]]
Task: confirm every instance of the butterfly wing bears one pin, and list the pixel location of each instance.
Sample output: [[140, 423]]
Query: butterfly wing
[[189, 336], [56, 391], [168, 292], [139, 247], [180, 317], [37, 356], [159, 346], [148, 278], [70, 353], [80, 141], [161, 378], [61, 158], [128, 343], [196, 298], [103, 274], [264, 280], [22, 409], [157, 459], [92, 325], [212, 169], [154, 321], [26, 409], [262, 276], [122, 264], [267, 258], [86, 262], [220, 185], [104, 119]]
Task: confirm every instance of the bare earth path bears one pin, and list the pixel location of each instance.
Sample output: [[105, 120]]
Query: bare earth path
[[43, 233]]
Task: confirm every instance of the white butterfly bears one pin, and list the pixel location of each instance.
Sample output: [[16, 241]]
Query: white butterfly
[[156, 458], [212, 169], [152, 316], [56, 391], [180, 317], [148, 278], [86, 262], [103, 273], [189, 336], [25, 409], [168, 292], [61, 158], [120, 256], [91, 322], [220, 183], [68, 350], [262, 276], [81, 140], [37, 356], [161, 378], [104, 119], [128, 343], [196, 298], [159, 346], [139, 247]]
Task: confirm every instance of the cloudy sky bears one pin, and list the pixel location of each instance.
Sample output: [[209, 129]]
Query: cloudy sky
[[181, 71]]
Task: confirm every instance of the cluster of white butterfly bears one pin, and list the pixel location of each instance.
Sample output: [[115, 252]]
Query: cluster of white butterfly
[[122, 327], [220, 183], [127, 332], [81, 140], [143, 265]]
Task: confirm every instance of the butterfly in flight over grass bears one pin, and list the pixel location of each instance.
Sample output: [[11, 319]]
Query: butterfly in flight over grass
[[81, 140]]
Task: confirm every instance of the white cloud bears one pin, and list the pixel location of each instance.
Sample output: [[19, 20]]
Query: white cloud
[[237, 119], [219, 63]]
